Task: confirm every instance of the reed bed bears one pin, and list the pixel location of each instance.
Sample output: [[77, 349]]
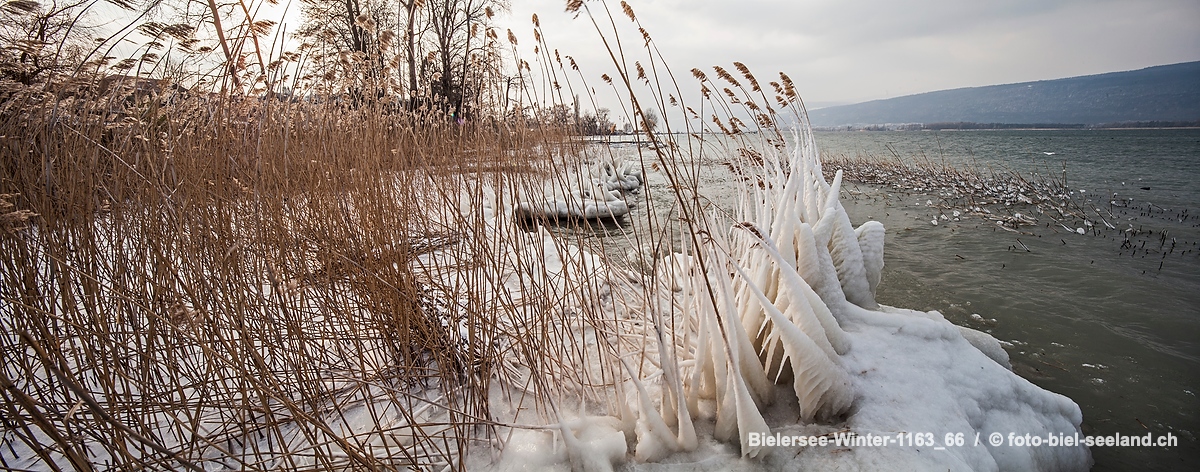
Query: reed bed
[[232, 280], [1005, 196], [1031, 204], [239, 281], [969, 190]]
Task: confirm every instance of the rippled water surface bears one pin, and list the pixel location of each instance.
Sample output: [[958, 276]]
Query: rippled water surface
[[1116, 330]]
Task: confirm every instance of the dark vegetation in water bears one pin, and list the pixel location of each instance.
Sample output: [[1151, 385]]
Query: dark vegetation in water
[[970, 125], [1034, 204]]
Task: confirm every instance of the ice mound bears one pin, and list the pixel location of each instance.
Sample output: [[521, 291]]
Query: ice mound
[[590, 194], [767, 324], [625, 176]]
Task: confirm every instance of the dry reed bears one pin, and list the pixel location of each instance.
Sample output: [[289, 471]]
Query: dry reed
[[224, 280]]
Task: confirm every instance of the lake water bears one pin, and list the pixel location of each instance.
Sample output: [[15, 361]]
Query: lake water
[[1110, 319], [1115, 329]]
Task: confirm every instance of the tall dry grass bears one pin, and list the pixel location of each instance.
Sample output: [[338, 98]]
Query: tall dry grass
[[214, 278], [201, 280]]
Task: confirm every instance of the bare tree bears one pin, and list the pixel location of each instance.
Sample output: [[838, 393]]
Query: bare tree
[[597, 124], [451, 22], [441, 54], [37, 38], [460, 47], [650, 120]]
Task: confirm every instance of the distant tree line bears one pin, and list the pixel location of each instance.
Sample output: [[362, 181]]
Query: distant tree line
[[970, 125], [1150, 124], [594, 124], [434, 53]]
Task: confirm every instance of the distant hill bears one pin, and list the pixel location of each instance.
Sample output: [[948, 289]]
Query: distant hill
[[1161, 93]]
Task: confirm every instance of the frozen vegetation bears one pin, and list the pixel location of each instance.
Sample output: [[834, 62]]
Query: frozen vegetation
[[265, 284], [769, 327], [765, 323]]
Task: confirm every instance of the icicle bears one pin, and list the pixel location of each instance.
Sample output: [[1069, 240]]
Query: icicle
[[870, 241], [726, 424], [811, 197], [823, 388], [847, 258], [742, 351], [819, 325], [749, 420], [789, 204], [832, 199], [628, 419], [673, 404], [735, 365], [708, 380], [818, 269], [686, 439], [753, 319], [655, 439], [701, 384]]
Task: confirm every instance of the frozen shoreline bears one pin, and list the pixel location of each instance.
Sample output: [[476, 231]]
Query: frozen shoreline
[[900, 371], [767, 324]]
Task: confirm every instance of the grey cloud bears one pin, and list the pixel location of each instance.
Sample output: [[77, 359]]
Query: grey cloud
[[859, 50]]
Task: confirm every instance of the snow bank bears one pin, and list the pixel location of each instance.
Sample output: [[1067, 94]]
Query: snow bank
[[769, 325]]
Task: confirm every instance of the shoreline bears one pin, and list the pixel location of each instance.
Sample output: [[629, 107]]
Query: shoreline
[[1100, 355]]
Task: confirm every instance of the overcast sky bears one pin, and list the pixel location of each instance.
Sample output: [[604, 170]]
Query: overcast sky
[[846, 51]]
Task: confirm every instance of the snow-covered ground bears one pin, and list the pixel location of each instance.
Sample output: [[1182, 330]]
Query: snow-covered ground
[[766, 324], [763, 324]]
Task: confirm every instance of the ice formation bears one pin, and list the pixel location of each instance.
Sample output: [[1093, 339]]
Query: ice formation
[[767, 324], [590, 194]]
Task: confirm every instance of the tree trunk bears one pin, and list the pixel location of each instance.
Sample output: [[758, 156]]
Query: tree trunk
[[462, 82], [352, 13], [410, 36]]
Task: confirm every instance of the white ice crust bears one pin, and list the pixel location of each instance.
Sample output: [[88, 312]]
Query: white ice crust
[[771, 327], [598, 192]]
